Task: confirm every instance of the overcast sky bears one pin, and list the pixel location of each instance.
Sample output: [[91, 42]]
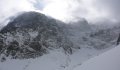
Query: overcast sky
[[64, 10]]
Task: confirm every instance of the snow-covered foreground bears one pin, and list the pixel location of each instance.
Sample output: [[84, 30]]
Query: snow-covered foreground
[[107, 61], [55, 60]]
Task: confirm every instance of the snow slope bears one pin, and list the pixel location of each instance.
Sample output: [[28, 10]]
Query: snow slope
[[107, 61], [55, 60]]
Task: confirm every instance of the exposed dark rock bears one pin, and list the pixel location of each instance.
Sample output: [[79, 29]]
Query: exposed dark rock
[[30, 34]]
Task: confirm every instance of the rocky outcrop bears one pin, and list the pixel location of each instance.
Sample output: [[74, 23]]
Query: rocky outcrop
[[32, 34]]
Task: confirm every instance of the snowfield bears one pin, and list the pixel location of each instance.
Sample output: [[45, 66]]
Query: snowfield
[[107, 61], [57, 60]]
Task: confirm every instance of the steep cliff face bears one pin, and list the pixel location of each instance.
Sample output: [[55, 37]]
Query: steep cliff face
[[32, 34]]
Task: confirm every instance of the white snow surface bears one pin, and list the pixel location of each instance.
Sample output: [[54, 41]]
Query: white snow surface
[[54, 60], [107, 61]]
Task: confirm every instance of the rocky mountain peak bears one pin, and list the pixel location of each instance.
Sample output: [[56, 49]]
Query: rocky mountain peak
[[31, 34]]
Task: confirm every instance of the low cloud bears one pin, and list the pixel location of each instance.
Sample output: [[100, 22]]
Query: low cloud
[[111, 6], [11, 7], [65, 10]]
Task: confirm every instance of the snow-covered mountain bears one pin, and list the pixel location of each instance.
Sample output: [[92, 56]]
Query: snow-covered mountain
[[61, 46], [31, 34]]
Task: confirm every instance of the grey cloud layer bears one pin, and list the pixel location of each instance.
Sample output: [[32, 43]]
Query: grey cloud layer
[[111, 6], [11, 7], [85, 8]]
